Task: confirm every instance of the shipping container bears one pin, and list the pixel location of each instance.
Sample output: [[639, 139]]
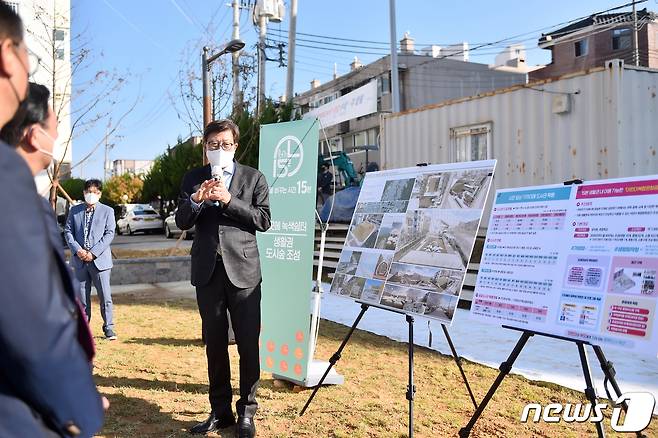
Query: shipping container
[[600, 123]]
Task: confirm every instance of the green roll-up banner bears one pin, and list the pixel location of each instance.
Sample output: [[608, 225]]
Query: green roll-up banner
[[288, 157]]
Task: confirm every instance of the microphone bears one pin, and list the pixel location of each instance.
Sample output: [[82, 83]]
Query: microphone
[[217, 173]]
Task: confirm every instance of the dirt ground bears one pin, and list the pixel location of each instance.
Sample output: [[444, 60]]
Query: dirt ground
[[155, 378]]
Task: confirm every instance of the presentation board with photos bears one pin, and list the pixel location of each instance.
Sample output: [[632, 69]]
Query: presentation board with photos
[[576, 261], [411, 237]]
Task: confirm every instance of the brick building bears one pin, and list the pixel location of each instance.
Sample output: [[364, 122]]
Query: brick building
[[590, 42]]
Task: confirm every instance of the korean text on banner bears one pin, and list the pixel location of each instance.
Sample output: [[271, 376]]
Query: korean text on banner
[[357, 103], [576, 261], [288, 159]]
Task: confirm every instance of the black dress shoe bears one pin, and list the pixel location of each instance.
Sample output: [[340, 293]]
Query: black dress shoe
[[213, 423], [246, 427]]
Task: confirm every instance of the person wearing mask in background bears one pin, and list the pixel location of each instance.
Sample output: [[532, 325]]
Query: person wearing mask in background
[[35, 136], [227, 203], [46, 388], [89, 231]]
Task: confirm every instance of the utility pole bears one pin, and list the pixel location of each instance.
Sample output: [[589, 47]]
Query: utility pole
[[107, 153], [262, 34], [237, 99], [207, 116], [290, 80], [636, 53], [395, 80]]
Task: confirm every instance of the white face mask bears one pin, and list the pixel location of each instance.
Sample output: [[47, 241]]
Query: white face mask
[[44, 151], [220, 158], [92, 198]]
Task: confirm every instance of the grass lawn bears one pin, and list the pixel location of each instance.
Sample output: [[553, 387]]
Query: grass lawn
[[155, 378]]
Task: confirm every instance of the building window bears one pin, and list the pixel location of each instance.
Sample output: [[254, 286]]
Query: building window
[[372, 136], [360, 139], [383, 84], [323, 100], [621, 39], [59, 35], [471, 143], [13, 5], [59, 54], [333, 145], [581, 48]]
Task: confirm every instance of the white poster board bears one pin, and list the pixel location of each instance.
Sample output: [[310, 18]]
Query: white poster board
[[575, 261], [411, 237]]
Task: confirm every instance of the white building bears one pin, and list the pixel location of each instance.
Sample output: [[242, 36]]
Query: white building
[[136, 167], [47, 26]]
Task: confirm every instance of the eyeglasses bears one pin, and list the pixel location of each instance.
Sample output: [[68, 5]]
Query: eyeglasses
[[214, 145], [35, 62], [33, 59]]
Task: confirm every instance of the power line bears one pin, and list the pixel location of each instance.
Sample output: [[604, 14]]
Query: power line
[[337, 50], [382, 54], [384, 51], [334, 38]]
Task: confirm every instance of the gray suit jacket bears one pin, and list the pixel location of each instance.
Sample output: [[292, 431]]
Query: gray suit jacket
[[101, 234], [231, 228]]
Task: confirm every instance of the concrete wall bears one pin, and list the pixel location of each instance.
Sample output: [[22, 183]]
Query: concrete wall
[[150, 270], [434, 81]]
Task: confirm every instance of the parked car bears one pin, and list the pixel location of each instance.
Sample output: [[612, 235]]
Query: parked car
[[172, 230], [140, 218]]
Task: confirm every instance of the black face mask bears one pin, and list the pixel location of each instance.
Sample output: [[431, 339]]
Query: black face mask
[[10, 132], [21, 111]]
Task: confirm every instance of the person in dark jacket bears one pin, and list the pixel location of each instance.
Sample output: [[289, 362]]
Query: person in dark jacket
[[46, 385], [34, 136], [226, 210]]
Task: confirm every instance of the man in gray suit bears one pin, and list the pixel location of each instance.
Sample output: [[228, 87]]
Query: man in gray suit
[[89, 232], [227, 203]]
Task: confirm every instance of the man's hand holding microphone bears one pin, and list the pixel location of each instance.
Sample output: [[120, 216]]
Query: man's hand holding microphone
[[220, 151], [212, 190]]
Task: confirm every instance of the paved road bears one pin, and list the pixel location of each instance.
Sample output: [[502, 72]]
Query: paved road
[[147, 241]]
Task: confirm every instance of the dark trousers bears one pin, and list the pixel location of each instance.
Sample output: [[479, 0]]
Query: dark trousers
[[244, 307]]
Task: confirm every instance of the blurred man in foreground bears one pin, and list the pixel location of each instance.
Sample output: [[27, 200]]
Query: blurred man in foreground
[[35, 136], [46, 386]]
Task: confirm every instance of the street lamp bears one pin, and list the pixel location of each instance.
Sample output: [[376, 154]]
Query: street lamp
[[230, 47]]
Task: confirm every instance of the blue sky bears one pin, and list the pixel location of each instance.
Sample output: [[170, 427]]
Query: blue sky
[[147, 41]]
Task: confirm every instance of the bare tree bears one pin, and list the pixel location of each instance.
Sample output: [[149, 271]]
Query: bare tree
[[188, 99], [96, 96]]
